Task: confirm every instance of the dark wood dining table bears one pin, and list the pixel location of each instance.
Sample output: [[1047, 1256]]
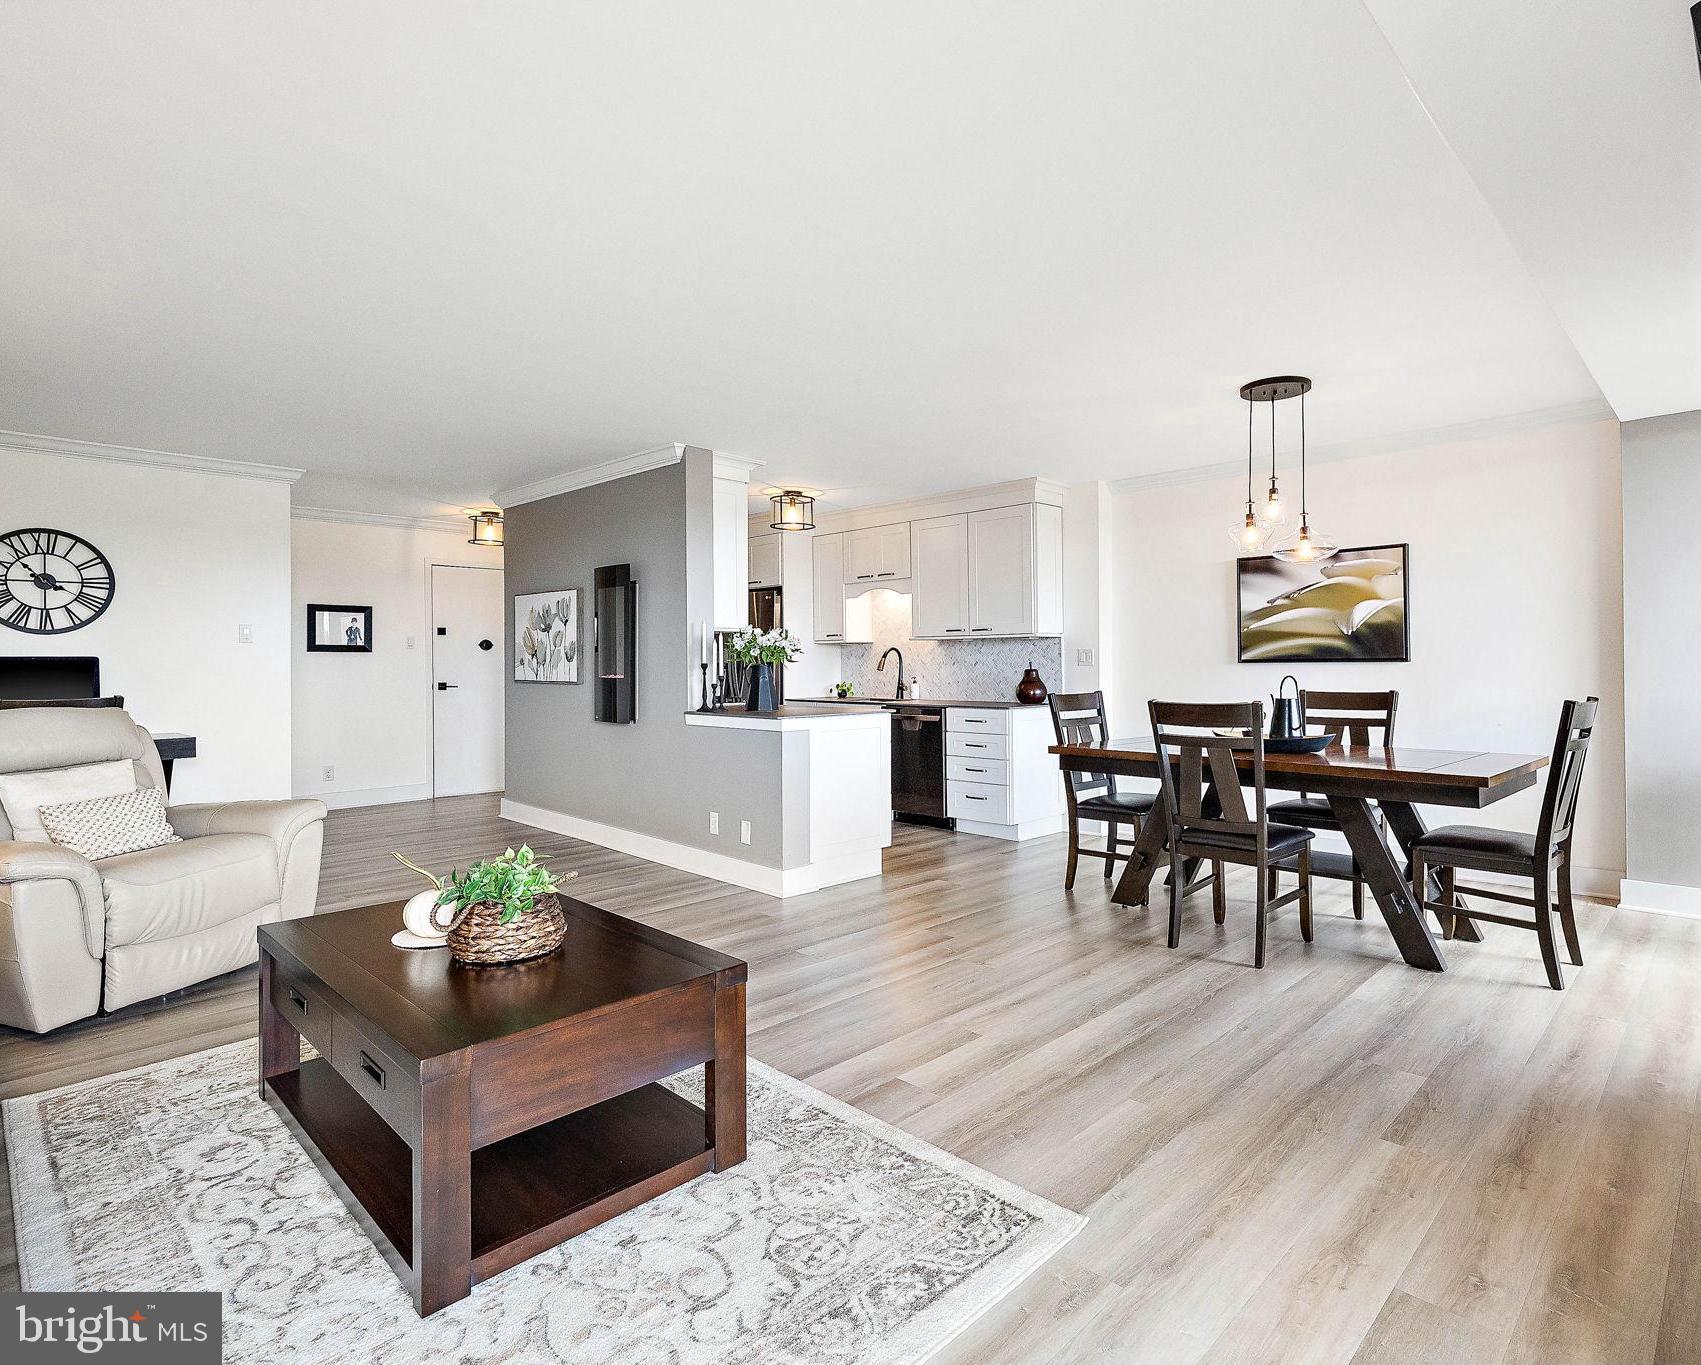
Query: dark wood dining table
[[1352, 778]]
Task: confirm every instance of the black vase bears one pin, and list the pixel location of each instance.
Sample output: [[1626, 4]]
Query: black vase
[[761, 696]]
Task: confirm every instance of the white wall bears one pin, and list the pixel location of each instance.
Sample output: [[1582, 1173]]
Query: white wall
[[368, 716], [195, 555], [1662, 659], [1516, 605]]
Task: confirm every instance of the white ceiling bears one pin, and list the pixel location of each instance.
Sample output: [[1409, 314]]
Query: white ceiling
[[432, 250]]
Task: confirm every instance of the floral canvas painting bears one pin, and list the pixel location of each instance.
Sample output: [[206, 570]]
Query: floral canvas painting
[[546, 636], [1350, 607]]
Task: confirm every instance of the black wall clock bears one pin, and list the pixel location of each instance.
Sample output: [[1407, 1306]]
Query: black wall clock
[[52, 581]]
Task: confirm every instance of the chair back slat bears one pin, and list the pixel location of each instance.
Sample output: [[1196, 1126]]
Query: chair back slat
[[1352, 717], [1079, 718], [1191, 759], [1565, 774]]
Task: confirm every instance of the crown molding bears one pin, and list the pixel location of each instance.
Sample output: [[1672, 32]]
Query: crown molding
[[1571, 414], [159, 459], [352, 518], [608, 470], [1009, 494], [738, 467]]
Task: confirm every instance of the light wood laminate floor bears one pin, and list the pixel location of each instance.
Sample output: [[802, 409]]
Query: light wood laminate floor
[[1338, 1158]]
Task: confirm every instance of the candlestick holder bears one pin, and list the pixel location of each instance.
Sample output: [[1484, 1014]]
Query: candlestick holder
[[706, 706]]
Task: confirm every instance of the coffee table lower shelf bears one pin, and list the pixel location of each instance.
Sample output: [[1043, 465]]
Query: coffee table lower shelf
[[530, 1191]]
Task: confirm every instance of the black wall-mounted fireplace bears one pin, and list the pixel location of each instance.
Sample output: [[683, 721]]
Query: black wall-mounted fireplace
[[614, 628], [68, 677]]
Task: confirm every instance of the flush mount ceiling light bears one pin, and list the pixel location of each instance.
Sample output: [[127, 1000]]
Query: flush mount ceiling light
[[486, 528], [793, 511]]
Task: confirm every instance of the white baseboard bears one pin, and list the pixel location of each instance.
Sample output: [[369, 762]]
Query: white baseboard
[[1028, 829], [1660, 898], [373, 796], [770, 881]]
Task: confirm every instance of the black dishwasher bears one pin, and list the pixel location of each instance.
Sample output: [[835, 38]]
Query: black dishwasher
[[918, 764]]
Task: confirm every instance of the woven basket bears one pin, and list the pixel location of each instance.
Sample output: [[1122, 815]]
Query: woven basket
[[478, 938]]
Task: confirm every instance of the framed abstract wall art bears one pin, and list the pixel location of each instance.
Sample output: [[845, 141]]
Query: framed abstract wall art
[[1349, 608], [546, 636]]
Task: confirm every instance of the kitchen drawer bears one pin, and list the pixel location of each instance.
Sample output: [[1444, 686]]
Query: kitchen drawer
[[989, 771], [389, 1085], [304, 1005], [960, 745], [988, 721], [977, 801]]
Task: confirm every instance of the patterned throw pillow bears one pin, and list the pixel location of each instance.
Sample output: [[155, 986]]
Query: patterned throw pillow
[[109, 825]]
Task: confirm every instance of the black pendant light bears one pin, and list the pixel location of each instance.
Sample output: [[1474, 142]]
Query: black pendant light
[[1306, 544], [1248, 533]]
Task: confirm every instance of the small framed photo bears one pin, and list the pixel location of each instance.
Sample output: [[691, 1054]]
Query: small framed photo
[[546, 636], [338, 630]]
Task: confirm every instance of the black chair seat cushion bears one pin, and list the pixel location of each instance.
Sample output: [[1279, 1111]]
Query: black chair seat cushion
[[1312, 812], [1477, 841], [1284, 839], [1117, 805]]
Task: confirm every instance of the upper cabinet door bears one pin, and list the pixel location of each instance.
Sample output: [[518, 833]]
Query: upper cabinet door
[[829, 583], [1001, 571], [939, 586], [765, 560], [877, 552]]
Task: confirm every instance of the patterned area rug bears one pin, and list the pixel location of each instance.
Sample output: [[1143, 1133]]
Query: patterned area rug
[[840, 1238]]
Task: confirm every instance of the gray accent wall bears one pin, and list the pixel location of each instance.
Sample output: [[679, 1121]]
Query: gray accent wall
[[1662, 649], [657, 776]]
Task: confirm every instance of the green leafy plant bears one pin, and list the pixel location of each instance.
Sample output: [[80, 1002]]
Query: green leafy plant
[[515, 881], [842, 690]]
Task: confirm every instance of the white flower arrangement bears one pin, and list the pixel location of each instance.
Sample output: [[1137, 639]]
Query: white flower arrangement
[[752, 646]]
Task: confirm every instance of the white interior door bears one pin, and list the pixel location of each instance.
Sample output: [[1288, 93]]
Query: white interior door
[[468, 671]]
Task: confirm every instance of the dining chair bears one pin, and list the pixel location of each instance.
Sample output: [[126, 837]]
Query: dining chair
[[1544, 857], [1206, 808], [1347, 718], [1079, 718]]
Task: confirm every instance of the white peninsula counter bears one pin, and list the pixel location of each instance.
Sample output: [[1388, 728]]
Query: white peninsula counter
[[833, 766]]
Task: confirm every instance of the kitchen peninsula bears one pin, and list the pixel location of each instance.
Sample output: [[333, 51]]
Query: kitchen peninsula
[[832, 765]]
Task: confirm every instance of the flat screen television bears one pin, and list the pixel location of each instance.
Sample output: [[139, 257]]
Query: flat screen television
[[67, 677]]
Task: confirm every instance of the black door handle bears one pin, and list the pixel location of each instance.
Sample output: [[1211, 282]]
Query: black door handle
[[444, 687]]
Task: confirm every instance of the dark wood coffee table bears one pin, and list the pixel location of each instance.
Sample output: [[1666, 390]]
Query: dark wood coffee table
[[472, 1117]]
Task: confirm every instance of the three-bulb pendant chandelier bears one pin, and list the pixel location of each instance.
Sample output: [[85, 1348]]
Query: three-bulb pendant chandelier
[[1262, 522]]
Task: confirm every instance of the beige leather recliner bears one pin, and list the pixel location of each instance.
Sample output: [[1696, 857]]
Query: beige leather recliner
[[77, 936]]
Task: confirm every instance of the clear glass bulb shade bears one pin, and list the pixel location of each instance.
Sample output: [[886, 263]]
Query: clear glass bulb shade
[[1247, 535], [1307, 545], [1272, 511]]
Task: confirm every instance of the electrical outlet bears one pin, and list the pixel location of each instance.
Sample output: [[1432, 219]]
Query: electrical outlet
[[1084, 658], [330, 773], [714, 822], [743, 831], [410, 642]]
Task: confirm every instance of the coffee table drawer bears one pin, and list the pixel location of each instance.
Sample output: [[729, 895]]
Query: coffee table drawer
[[304, 1005], [388, 1084]]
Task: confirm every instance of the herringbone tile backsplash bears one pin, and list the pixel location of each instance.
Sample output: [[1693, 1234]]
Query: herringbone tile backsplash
[[962, 670]]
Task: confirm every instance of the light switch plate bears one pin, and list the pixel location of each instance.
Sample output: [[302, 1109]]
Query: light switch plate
[[1084, 658], [245, 635], [714, 822]]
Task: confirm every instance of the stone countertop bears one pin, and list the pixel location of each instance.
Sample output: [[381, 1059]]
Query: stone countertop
[[1007, 705], [790, 715]]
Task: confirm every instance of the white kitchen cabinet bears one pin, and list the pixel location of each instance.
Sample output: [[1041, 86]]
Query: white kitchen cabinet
[[939, 584], [764, 560], [1001, 571], [1000, 781], [837, 621], [731, 558], [877, 553]]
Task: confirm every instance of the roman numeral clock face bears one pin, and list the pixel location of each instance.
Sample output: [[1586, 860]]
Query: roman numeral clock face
[[51, 581]]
